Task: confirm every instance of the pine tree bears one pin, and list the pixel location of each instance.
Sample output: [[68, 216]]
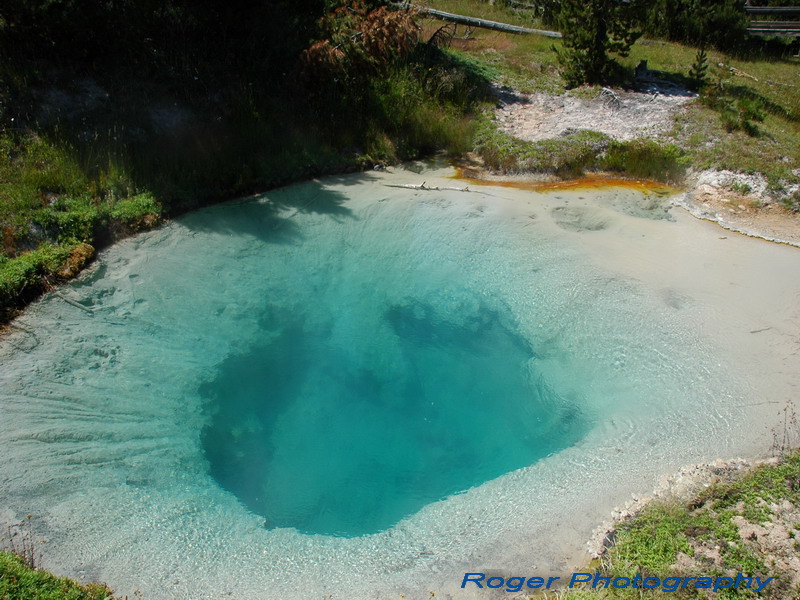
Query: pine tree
[[591, 30], [697, 74]]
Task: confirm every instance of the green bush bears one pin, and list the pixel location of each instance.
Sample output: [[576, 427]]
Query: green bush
[[80, 223], [647, 159], [573, 154], [697, 72], [591, 30], [133, 211], [417, 110], [71, 219]]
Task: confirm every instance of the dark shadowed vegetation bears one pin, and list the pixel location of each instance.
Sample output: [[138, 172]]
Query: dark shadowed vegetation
[[170, 105], [116, 115]]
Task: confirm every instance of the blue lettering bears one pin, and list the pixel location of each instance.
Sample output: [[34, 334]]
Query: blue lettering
[[475, 578], [598, 578], [671, 584], [535, 582], [650, 586], [722, 582], [491, 579], [761, 586], [617, 583], [704, 582], [515, 587], [574, 580]]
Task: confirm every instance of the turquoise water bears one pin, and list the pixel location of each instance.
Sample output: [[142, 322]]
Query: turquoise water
[[347, 437], [343, 389]]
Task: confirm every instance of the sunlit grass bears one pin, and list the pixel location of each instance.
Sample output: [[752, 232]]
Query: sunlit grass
[[651, 542], [20, 582]]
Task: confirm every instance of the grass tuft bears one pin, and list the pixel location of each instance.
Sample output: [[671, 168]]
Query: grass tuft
[[20, 582], [705, 531]]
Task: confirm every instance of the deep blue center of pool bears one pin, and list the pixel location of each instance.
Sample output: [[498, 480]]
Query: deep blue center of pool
[[349, 439]]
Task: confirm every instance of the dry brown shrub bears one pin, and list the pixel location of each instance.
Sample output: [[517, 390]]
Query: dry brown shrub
[[359, 42], [78, 257], [9, 241]]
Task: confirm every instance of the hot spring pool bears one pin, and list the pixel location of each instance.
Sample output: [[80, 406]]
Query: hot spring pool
[[349, 436], [349, 389]]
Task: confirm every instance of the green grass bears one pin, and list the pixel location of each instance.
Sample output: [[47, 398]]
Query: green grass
[[52, 213], [528, 63], [651, 542], [774, 82], [647, 159], [45, 191], [24, 277], [524, 62], [568, 156], [20, 582], [768, 485]]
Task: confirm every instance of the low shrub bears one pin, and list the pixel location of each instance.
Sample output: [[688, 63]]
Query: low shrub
[[25, 276], [137, 212], [647, 159]]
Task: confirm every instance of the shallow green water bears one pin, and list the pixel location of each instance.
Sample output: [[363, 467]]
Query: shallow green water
[[348, 434]]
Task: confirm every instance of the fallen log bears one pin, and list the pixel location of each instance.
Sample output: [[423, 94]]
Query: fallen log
[[522, 4], [475, 22], [73, 303], [736, 71], [422, 186]]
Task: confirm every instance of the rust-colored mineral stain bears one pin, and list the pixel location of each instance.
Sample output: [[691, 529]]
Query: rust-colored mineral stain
[[592, 182]]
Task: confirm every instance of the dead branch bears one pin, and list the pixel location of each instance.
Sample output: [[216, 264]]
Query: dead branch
[[423, 187]]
